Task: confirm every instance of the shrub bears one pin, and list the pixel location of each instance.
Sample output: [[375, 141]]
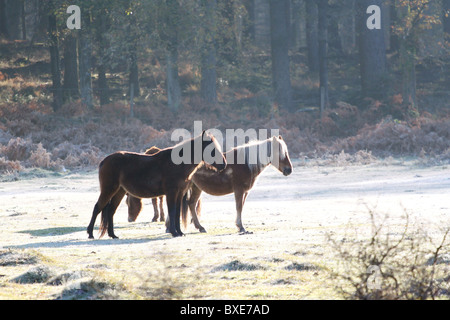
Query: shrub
[[9, 166], [41, 158], [17, 149], [391, 265]]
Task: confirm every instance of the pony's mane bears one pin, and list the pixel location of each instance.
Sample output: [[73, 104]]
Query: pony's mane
[[252, 144], [251, 149]]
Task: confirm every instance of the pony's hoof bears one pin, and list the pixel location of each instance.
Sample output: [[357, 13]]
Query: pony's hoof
[[202, 230], [245, 232]]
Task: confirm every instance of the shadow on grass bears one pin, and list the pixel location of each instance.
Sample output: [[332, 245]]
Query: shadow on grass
[[57, 231], [81, 241]]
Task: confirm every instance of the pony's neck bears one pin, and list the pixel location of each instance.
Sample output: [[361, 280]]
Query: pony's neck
[[261, 163]]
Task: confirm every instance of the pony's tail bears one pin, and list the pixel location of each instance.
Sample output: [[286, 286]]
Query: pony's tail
[[104, 221], [184, 210]]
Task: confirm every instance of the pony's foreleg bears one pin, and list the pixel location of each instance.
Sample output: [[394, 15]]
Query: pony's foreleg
[[161, 209], [155, 209], [240, 197], [173, 204], [172, 210]]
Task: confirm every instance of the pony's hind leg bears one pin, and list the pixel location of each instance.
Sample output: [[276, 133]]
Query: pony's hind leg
[[161, 209], [90, 227], [108, 214], [102, 202], [173, 206], [194, 206]]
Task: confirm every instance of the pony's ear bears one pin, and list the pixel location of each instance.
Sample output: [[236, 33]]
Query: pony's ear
[[203, 132], [280, 137]]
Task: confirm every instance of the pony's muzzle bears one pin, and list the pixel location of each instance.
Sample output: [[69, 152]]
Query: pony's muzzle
[[287, 171]]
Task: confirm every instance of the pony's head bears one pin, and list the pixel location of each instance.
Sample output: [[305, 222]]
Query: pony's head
[[212, 154], [280, 153]]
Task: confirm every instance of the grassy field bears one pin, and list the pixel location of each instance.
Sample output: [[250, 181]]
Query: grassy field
[[296, 223]]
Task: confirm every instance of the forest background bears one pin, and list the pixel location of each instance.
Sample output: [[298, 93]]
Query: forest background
[[136, 70]]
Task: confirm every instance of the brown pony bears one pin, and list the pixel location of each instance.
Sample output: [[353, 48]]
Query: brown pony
[[149, 176], [135, 204], [238, 177]]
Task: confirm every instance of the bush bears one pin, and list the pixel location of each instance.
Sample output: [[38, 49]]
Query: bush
[[391, 265]]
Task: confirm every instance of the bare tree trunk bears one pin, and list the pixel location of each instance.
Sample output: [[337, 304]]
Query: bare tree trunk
[[279, 39], [133, 63], [54, 62], [3, 24], [446, 22], [372, 52], [85, 57], [13, 19], [446, 16], [407, 55], [312, 36], [102, 80], [173, 81], [323, 53], [208, 86], [70, 86], [262, 23]]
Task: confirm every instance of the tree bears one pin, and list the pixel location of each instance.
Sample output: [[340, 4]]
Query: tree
[[323, 53], [261, 23], [101, 30], [279, 40], [70, 86], [54, 57], [170, 34], [85, 58], [372, 49], [208, 88], [446, 16], [3, 23], [132, 44], [412, 19], [446, 22], [14, 19], [312, 36]]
